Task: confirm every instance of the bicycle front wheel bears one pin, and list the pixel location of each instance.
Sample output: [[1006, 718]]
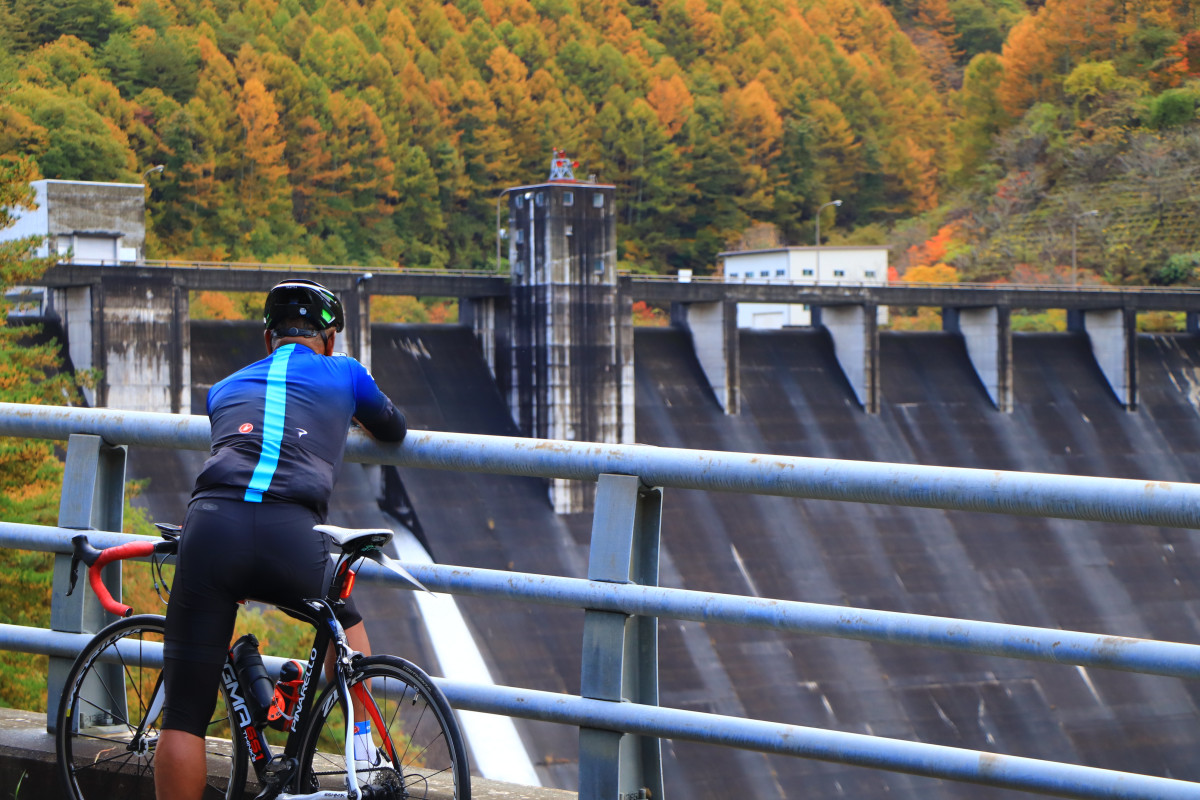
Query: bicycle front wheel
[[109, 717], [416, 748]]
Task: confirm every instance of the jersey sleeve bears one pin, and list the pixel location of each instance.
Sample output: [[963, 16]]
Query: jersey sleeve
[[374, 410]]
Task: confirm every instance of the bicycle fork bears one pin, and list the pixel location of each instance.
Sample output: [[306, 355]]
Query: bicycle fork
[[348, 695]]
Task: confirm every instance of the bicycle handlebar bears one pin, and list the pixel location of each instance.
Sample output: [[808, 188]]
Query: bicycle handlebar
[[97, 558]]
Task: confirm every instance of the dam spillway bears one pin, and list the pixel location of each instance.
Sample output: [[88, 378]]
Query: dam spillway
[[1108, 578]]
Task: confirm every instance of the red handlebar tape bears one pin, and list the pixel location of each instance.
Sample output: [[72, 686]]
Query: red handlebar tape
[[107, 556]]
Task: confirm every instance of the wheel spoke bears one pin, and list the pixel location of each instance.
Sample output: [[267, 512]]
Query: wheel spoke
[[112, 674], [413, 730]]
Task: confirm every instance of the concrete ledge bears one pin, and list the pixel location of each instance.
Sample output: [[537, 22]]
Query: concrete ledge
[[27, 761]]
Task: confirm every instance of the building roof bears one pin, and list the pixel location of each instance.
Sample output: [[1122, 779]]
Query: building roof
[[88, 183], [824, 248]]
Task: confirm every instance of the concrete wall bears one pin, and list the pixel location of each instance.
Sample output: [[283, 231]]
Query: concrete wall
[[145, 363], [714, 332], [987, 334], [855, 336], [134, 332], [1113, 335], [74, 307], [103, 210]]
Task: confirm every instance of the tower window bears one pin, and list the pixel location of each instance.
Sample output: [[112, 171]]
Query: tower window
[[839, 273], [520, 236], [520, 201], [569, 230], [598, 200], [869, 273], [568, 199], [808, 273], [540, 199]]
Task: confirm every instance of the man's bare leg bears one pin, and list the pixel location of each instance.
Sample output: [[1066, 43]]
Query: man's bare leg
[[180, 769]]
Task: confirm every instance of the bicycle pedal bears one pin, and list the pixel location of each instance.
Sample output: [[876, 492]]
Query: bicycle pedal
[[276, 776]]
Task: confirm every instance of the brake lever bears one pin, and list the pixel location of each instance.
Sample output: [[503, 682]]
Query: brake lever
[[74, 574], [81, 551], [393, 565]]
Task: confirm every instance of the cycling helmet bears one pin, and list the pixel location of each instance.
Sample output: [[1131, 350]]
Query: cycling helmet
[[303, 299]]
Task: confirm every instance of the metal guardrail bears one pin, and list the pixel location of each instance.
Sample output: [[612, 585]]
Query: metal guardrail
[[620, 590], [1027, 287], [351, 269], [359, 269]]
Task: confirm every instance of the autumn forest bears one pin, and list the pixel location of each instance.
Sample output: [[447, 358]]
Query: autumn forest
[[968, 134]]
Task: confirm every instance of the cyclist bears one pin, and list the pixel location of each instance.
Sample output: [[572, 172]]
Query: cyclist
[[279, 431]]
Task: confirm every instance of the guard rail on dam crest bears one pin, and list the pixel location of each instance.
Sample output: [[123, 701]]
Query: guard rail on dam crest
[[617, 714]]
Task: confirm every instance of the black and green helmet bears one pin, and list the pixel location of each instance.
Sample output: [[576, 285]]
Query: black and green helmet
[[303, 299]]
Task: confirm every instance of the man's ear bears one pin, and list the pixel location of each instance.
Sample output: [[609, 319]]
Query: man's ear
[[329, 342], [267, 341]]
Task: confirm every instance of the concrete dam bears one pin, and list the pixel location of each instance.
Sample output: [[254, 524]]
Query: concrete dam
[[795, 400]]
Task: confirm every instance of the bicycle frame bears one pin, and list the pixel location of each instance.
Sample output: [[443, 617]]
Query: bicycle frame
[[275, 771]]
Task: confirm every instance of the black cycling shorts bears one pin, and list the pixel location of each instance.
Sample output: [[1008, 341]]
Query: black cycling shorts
[[229, 551]]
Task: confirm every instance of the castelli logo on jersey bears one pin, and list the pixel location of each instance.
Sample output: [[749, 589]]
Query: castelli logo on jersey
[[246, 428]]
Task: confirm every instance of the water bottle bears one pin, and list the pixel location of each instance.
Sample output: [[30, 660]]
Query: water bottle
[[257, 689]]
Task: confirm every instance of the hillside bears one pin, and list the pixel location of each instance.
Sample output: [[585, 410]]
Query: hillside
[[382, 132]]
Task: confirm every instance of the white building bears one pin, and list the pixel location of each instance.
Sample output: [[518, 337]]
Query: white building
[[801, 265], [85, 222]]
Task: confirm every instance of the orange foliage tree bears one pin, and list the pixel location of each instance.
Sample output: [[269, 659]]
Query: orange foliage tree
[[381, 133], [931, 273], [1046, 46]]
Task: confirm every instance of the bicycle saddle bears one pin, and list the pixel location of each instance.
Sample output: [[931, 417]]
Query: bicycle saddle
[[351, 539], [368, 543]]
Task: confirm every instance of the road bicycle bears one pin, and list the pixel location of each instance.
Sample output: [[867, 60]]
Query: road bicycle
[[108, 720]]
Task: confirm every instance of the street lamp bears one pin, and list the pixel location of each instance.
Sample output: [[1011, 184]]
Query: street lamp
[[156, 168], [499, 197], [1074, 233], [821, 208]]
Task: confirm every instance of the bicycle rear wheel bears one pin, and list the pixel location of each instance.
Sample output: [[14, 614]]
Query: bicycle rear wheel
[[418, 749], [108, 720]]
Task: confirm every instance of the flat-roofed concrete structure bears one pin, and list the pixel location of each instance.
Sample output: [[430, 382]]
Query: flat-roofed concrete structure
[[85, 221], [808, 266]]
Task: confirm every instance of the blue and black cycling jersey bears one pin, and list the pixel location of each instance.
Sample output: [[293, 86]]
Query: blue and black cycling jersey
[[279, 426]]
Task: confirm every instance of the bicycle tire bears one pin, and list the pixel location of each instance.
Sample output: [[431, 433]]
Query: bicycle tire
[[90, 767], [428, 759]]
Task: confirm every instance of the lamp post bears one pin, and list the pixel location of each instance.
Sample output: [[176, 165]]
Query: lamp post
[[1074, 233], [156, 168], [499, 197], [821, 208]]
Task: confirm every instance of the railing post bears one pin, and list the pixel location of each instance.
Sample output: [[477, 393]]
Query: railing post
[[93, 498], [620, 653]]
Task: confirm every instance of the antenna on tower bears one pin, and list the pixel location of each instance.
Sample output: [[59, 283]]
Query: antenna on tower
[[562, 169]]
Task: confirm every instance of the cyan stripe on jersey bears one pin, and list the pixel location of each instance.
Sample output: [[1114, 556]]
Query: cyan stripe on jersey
[[273, 415]]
